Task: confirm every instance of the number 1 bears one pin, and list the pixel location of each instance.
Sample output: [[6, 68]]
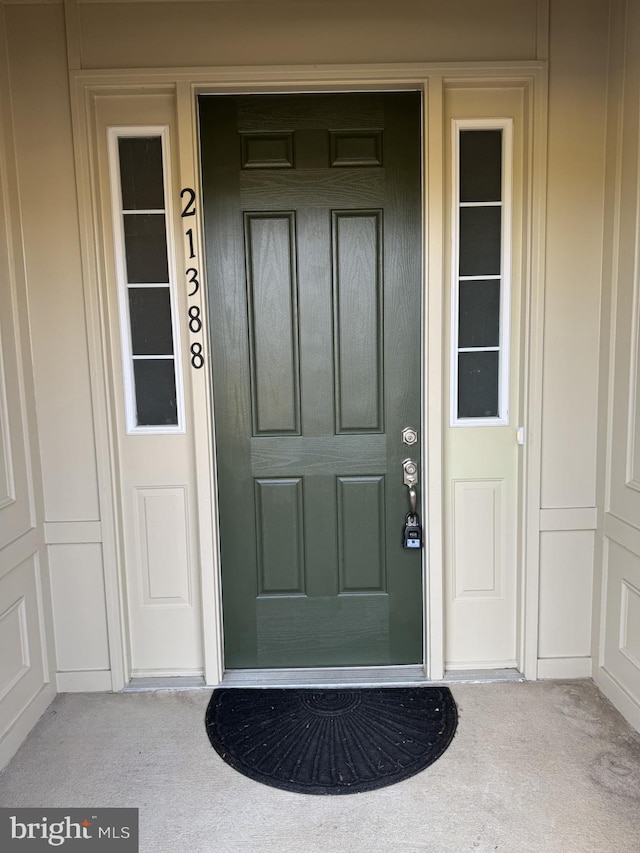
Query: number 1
[[189, 232]]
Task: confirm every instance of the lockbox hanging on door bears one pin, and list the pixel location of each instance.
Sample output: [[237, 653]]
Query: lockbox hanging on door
[[412, 534]]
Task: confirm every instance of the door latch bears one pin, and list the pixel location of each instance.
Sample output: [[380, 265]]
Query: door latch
[[412, 532], [410, 479]]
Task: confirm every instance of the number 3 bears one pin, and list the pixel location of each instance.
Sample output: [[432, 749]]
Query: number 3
[[192, 272]]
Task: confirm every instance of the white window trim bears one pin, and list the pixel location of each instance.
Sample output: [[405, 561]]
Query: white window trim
[[113, 134], [506, 125]]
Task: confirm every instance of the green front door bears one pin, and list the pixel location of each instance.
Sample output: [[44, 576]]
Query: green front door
[[312, 228]]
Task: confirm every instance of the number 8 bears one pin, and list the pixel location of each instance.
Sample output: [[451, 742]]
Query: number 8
[[197, 358], [195, 323]]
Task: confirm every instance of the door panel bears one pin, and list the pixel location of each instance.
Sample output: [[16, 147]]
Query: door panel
[[481, 458], [312, 227], [156, 474]]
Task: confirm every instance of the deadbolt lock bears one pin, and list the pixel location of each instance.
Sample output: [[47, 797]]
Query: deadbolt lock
[[409, 436]]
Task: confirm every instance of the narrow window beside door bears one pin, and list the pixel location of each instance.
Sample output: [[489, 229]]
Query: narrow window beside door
[[481, 272], [146, 281]]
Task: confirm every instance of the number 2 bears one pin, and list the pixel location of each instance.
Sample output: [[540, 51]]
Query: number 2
[[190, 207]]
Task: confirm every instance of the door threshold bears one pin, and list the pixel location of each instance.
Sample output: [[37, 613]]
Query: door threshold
[[364, 676], [356, 676], [325, 677]]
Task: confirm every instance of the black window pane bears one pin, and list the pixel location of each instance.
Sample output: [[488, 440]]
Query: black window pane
[[141, 172], [145, 244], [156, 402], [478, 384], [480, 165], [480, 233], [150, 314], [479, 314]]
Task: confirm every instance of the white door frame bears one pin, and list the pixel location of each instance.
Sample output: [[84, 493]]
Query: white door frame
[[431, 80]]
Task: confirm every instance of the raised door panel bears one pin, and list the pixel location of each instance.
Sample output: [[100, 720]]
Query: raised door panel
[[273, 322], [358, 301]]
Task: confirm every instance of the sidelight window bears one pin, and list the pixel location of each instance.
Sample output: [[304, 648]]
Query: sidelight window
[[139, 159], [481, 272]]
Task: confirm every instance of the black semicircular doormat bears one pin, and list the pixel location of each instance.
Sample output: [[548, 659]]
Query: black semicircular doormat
[[331, 741]]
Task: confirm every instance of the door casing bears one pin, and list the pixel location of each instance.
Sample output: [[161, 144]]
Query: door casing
[[431, 80]]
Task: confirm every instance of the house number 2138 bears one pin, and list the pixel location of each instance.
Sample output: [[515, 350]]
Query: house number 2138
[[188, 197]]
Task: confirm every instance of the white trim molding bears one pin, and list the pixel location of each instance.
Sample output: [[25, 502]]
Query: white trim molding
[[581, 667], [568, 518], [619, 696], [84, 681]]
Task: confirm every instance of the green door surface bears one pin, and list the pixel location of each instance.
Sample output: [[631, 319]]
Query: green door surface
[[312, 229]]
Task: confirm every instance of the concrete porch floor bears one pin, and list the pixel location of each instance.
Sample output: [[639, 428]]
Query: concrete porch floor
[[534, 768]]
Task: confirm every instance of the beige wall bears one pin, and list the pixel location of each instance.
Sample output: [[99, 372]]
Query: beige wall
[[27, 665], [577, 115], [46, 176], [280, 32], [180, 34], [59, 340]]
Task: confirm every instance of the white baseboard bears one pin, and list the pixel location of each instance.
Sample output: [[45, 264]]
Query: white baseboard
[[565, 668], [628, 706], [11, 740], [85, 681]]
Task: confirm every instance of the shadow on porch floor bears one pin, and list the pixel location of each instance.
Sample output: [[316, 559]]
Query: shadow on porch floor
[[534, 768]]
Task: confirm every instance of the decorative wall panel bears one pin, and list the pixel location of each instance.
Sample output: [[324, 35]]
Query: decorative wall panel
[[14, 642], [24, 671], [77, 591], [630, 623]]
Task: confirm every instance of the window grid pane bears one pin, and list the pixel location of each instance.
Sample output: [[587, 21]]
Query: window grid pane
[[141, 173], [150, 318], [479, 279], [147, 291], [156, 398], [145, 245]]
